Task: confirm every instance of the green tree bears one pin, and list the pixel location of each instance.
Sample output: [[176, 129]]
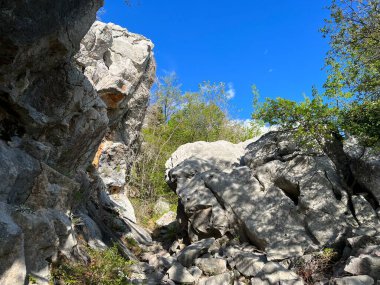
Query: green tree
[[353, 64], [353, 60], [350, 104], [167, 95], [177, 118], [311, 121], [197, 121]]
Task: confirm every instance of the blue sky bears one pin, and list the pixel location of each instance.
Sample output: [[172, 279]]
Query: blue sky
[[271, 43]]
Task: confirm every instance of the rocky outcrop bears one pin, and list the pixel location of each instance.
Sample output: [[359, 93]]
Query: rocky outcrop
[[56, 107], [121, 67], [284, 200]]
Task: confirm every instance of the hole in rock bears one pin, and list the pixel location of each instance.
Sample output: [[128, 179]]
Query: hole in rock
[[290, 189]]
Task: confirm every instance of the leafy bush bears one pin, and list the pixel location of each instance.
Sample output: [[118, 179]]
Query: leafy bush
[[106, 267], [132, 245], [363, 121], [350, 104]]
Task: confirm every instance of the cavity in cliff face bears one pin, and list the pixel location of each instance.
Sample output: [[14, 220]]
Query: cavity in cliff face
[[56, 107]]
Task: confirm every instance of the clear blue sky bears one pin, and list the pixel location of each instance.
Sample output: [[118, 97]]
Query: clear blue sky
[[271, 43]]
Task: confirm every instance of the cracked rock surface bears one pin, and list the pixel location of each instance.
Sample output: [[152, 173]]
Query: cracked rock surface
[[284, 200], [67, 86]]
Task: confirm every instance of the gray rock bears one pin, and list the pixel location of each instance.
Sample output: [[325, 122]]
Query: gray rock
[[238, 282], [176, 246], [211, 266], [41, 242], [115, 60], [18, 171], [113, 165], [364, 245], [56, 110], [355, 280], [179, 274], [65, 129], [64, 230], [91, 231], [137, 232], [12, 257], [203, 211], [249, 264], [115, 217], [274, 273], [188, 255], [121, 66], [364, 212], [166, 219], [161, 207], [364, 265], [221, 279], [158, 260], [196, 272], [146, 278], [51, 121], [52, 190], [123, 206], [365, 165], [256, 209], [281, 198], [223, 154]]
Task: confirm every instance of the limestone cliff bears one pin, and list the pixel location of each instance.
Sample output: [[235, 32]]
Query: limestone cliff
[[56, 108]]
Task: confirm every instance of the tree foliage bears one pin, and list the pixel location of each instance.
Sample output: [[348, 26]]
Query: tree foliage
[[350, 103], [177, 118], [354, 66], [353, 60], [311, 121], [167, 95]]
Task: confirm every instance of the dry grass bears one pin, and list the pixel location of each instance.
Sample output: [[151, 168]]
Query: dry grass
[[318, 267]]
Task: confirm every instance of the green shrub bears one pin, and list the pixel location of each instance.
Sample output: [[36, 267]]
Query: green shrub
[[106, 267], [178, 118], [133, 245]]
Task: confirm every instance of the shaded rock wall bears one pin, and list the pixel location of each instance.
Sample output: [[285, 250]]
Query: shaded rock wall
[[121, 67], [56, 107]]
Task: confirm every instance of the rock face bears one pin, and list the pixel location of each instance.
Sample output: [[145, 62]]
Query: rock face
[[284, 200], [365, 165], [56, 107], [121, 67]]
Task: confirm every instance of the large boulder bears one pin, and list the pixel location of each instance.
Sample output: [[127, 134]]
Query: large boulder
[[281, 197], [222, 154]]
